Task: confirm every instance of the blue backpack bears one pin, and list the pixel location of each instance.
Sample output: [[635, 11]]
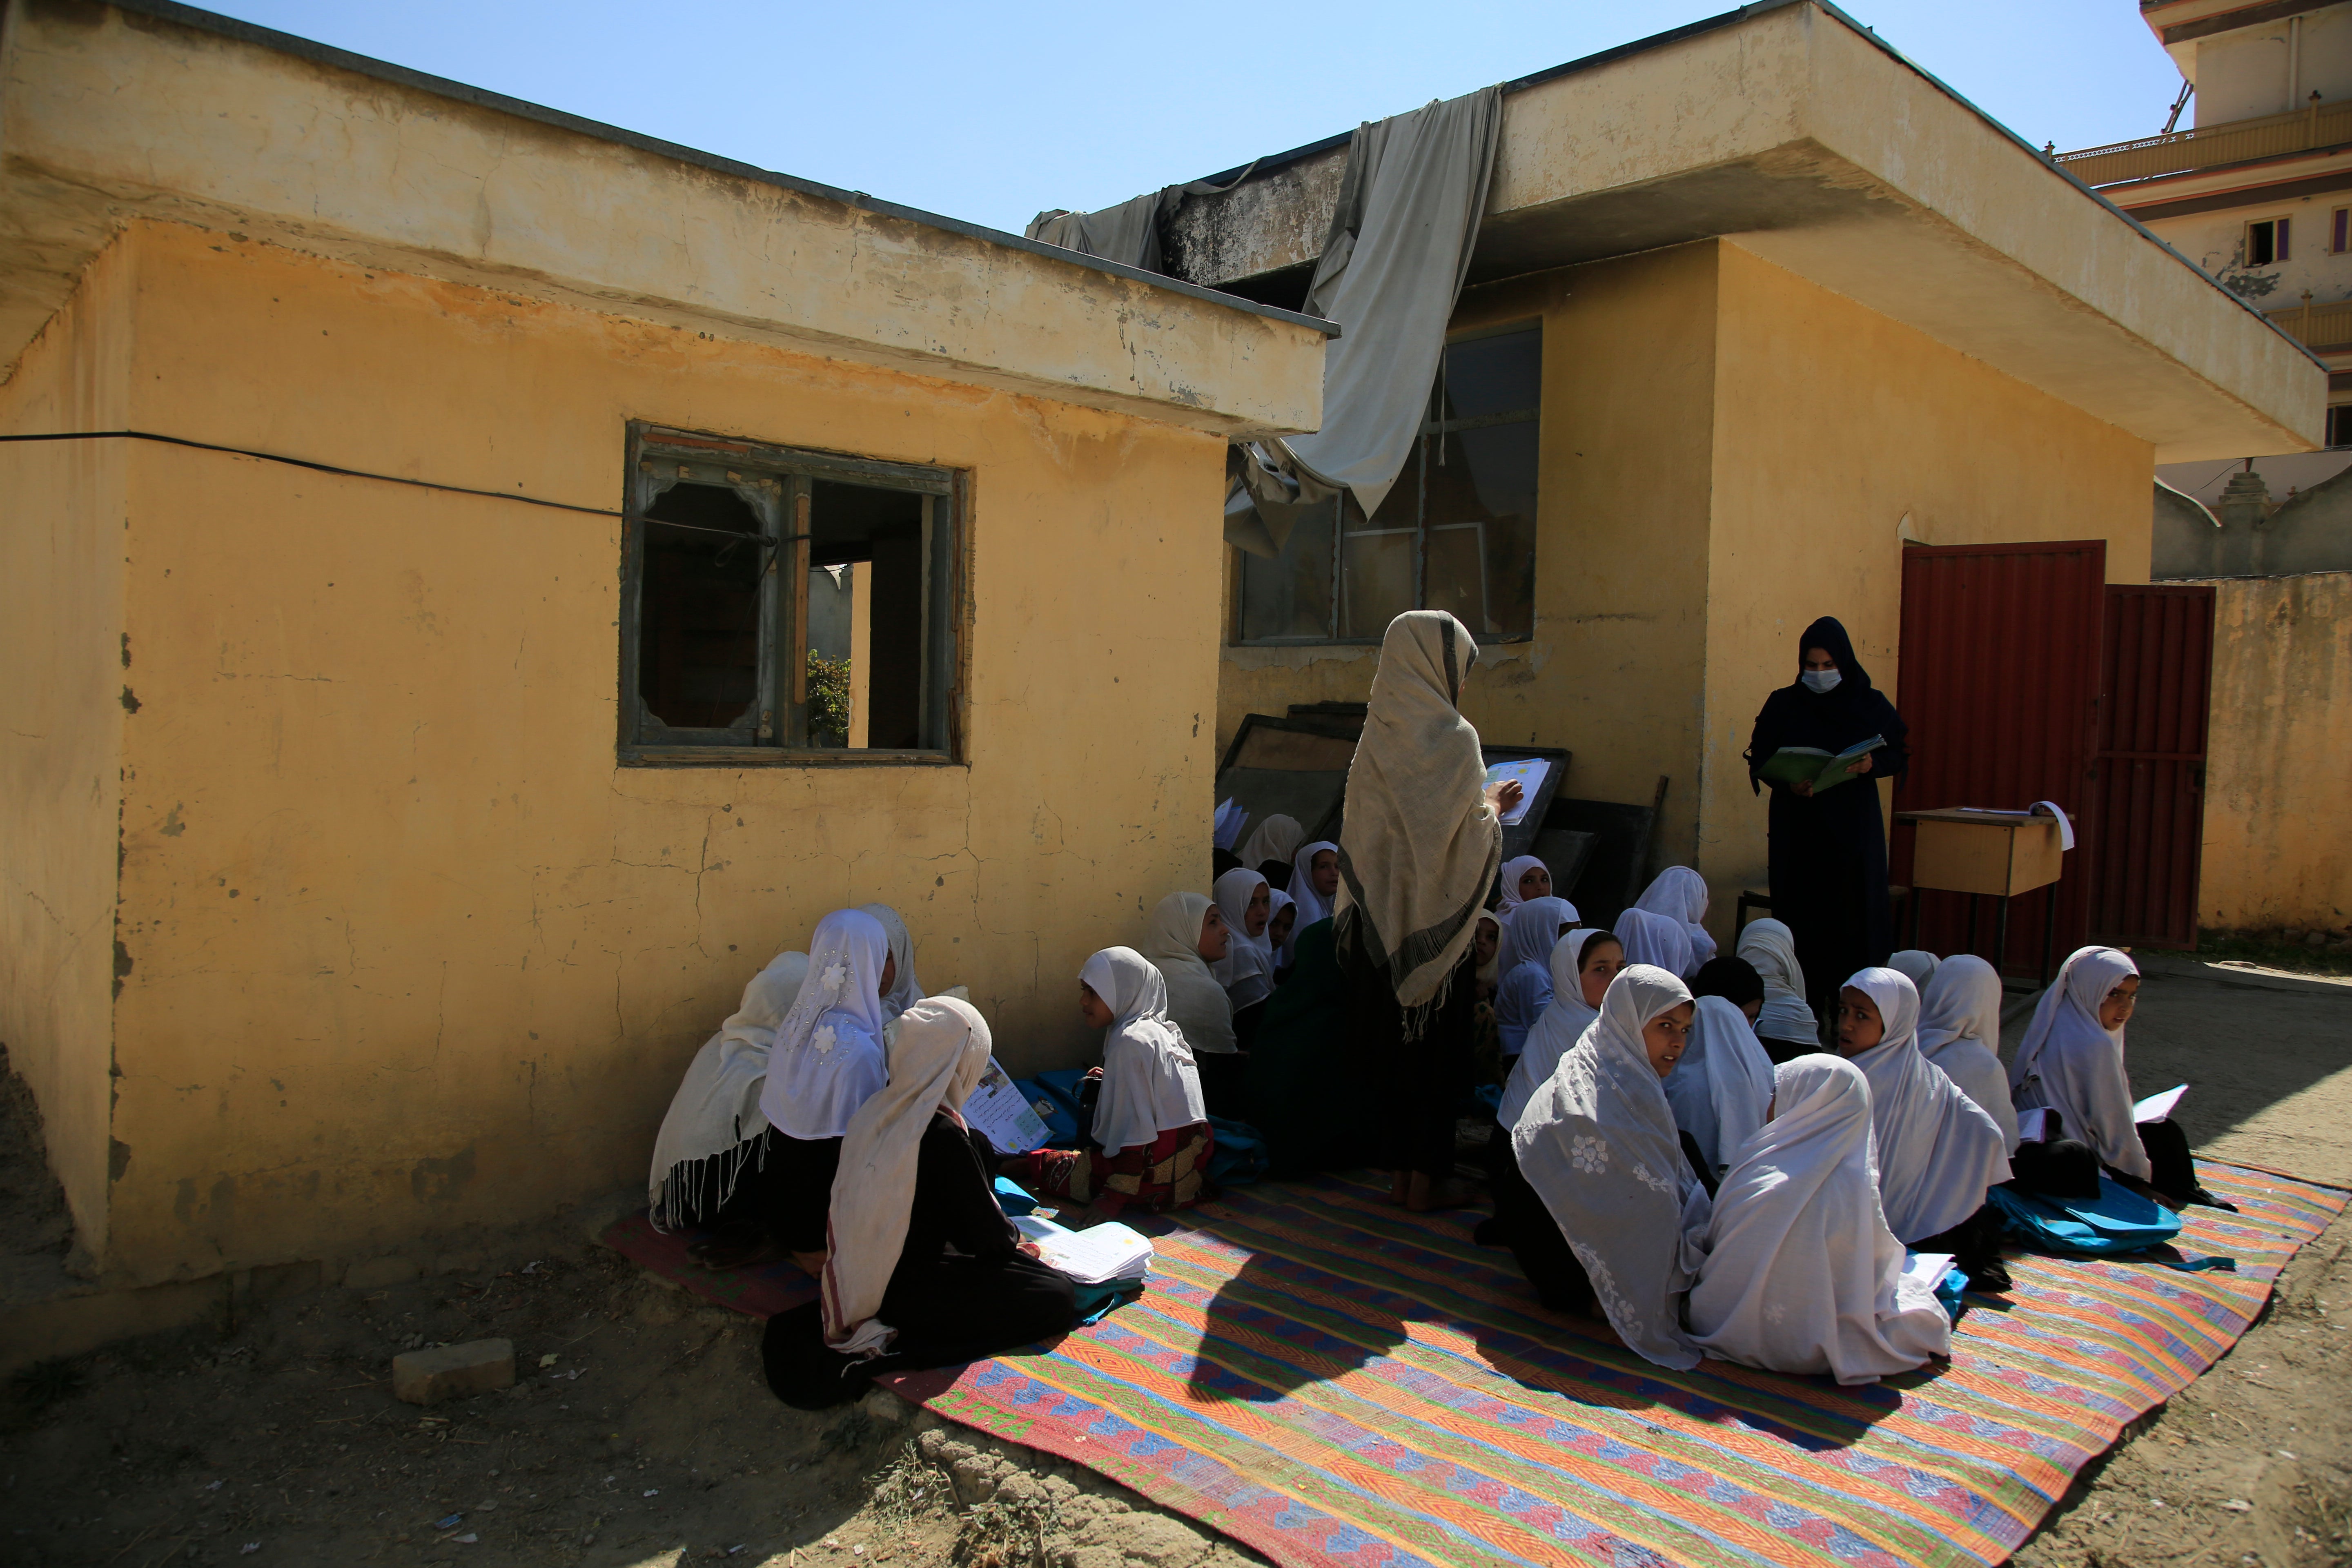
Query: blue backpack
[[2118, 1220]]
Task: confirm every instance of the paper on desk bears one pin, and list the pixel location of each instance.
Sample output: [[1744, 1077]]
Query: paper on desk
[[2156, 1106], [1530, 772]]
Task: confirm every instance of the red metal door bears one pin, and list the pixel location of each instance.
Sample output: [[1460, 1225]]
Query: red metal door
[[1999, 680], [2147, 794]]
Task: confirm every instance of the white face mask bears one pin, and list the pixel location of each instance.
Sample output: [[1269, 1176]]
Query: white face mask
[[1819, 679]]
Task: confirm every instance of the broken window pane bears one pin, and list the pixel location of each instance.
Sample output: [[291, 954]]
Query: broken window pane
[[880, 532], [698, 640], [1376, 558], [1481, 514], [1290, 595]]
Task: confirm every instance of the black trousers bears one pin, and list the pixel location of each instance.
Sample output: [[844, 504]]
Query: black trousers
[[1225, 1076], [791, 1191], [1975, 1246], [2172, 1168], [1527, 1227], [948, 1312], [1421, 1080]]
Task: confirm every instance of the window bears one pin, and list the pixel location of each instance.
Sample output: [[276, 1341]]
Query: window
[[2338, 237], [2266, 242], [1457, 530], [799, 603], [2339, 424]]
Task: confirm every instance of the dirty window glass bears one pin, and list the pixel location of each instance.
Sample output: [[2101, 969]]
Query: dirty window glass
[[705, 559], [1288, 598]]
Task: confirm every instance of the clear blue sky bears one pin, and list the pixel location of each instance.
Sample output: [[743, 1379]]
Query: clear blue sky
[[991, 112]]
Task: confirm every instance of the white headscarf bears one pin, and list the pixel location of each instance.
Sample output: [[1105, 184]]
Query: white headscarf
[[1722, 1085], [938, 1054], [906, 990], [1960, 1034], [1421, 843], [1171, 940], [1149, 1083], [1275, 838], [828, 1054], [1312, 905], [1246, 972], [1680, 893], [1938, 1151], [1491, 971], [1771, 948], [1916, 964], [2075, 1066], [1276, 901], [1801, 1274], [1660, 941], [1597, 1142], [1530, 931], [1513, 869], [715, 1110], [1557, 1030]]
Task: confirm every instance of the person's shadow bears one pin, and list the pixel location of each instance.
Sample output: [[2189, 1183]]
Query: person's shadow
[[1276, 1326]]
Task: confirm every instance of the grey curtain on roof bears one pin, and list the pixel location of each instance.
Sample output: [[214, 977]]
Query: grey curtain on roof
[[1392, 269], [1128, 232]]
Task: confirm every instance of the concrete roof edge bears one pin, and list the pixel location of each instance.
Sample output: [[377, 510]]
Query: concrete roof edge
[[482, 97]]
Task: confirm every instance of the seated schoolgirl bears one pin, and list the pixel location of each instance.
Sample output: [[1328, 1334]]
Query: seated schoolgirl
[[1282, 932], [1679, 893], [713, 1139], [1786, 1024], [1916, 964], [1529, 933], [1959, 1036], [2071, 1064], [1597, 1144], [1582, 964], [1315, 881], [1148, 1142], [1522, 878], [923, 1269], [1659, 941], [1246, 904], [1938, 1152], [1801, 1274], [1184, 936], [1736, 981], [1308, 1093], [1720, 1088], [1269, 848]]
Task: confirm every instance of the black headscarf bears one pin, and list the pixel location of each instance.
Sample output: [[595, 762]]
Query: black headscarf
[[1853, 709]]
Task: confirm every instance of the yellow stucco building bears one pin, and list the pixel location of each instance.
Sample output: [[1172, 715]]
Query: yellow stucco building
[[381, 838]]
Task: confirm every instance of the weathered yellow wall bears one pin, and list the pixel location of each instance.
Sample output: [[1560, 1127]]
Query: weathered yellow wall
[[61, 718], [2278, 834], [1832, 423], [407, 948]]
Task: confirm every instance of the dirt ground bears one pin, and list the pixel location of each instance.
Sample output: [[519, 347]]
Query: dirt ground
[[650, 1438]]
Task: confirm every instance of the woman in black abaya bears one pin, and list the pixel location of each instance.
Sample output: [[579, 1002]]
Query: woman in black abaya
[[1829, 850]]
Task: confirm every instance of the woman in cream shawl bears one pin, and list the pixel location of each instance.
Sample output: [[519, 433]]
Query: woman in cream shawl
[[922, 1267], [1786, 1025], [1417, 855], [1801, 1274]]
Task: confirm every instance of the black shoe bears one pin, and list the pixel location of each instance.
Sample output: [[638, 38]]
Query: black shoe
[[1989, 1279], [2201, 1196]]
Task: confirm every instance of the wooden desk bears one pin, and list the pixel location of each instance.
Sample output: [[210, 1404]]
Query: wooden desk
[[1997, 853]]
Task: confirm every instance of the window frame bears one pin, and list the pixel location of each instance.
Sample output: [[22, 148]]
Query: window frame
[[778, 483], [2282, 239], [2335, 422], [2339, 230], [1432, 425]]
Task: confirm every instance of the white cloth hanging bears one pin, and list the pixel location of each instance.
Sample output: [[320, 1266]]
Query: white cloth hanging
[[1561, 1023], [1596, 1143], [1680, 893], [1150, 1083], [1513, 870], [1720, 1088], [1771, 947], [1938, 1152], [1171, 940], [827, 1059], [1312, 905], [1916, 964], [1275, 838], [1801, 1274], [1246, 972], [906, 988], [2073, 1064], [1959, 1036], [1660, 941], [715, 1113]]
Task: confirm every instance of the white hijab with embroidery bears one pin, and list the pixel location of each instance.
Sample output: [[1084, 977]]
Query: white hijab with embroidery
[[2073, 1064], [1149, 1083], [1721, 1086], [1801, 1274], [1171, 940], [1596, 1143], [1960, 1034], [715, 1114], [1246, 972], [938, 1054], [1771, 947], [1561, 1025], [1680, 893], [827, 1059], [1938, 1151]]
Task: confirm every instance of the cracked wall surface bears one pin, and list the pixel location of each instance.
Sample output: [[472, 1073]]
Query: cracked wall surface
[[407, 948]]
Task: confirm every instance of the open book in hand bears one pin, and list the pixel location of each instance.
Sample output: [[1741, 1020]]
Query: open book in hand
[[1794, 765], [1101, 1255]]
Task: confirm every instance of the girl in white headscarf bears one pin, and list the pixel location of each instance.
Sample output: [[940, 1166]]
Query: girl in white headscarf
[[1185, 934], [1582, 964], [1659, 941], [1282, 932], [1959, 1036], [1315, 881], [1529, 933], [1721, 1086], [1786, 1024], [1916, 964], [1274, 842], [1149, 1139], [828, 1061], [1246, 972], [1801, 1274], [714, 1128], [1597, 1142], [906, 988], [1523, 878], [921, 1268], [1679, 893], [1423, 840], [1938, 1152]]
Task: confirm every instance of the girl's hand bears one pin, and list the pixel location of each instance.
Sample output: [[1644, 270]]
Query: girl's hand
[[1094, 1072], [1031, 1248]]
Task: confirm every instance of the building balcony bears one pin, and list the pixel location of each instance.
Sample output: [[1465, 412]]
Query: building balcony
[[2211, 146], [2321, 328]]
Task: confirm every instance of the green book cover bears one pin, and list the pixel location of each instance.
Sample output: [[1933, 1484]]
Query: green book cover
[[1791, 765]]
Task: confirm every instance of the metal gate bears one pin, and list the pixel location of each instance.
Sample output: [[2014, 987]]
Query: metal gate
[[2146, 789], [1999, 680]]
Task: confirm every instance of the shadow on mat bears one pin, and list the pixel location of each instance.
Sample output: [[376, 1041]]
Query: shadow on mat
[[1251, 1352]]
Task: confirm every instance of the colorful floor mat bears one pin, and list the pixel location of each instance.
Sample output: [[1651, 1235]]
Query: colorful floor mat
[[1335, 1381]]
